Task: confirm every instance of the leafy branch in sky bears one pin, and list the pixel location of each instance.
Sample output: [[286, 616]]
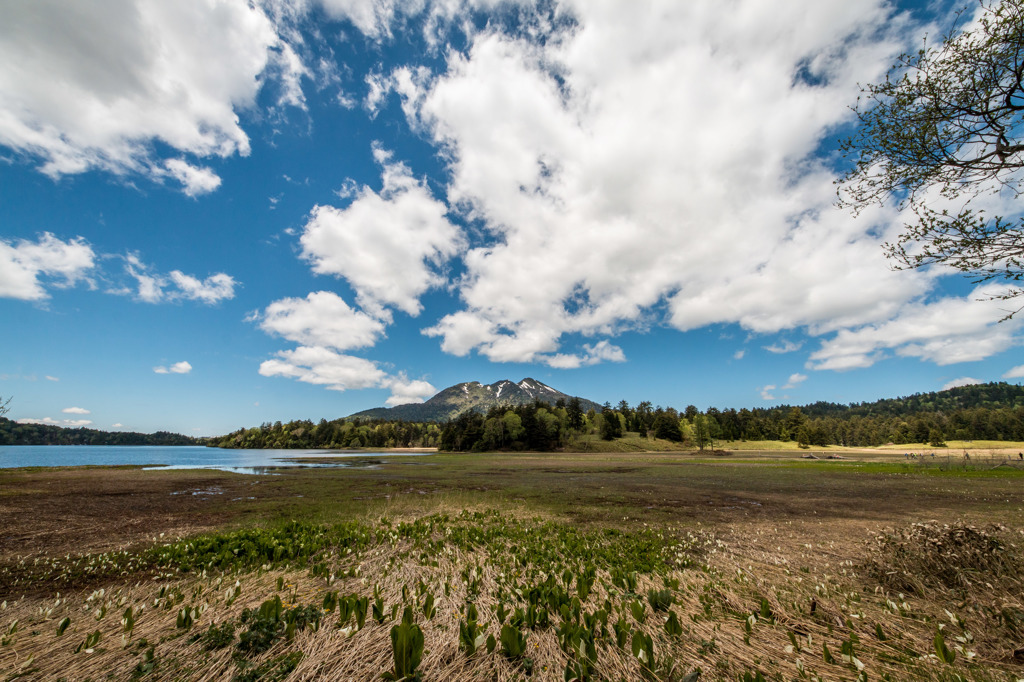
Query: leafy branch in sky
[[946, 126]]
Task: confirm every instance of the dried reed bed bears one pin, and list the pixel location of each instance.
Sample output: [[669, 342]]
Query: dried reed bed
[[777, 600]]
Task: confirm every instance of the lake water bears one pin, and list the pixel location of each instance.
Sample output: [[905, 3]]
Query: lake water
[[179, 457]]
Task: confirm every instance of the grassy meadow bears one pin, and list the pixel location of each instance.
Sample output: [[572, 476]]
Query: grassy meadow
[[740, 565]]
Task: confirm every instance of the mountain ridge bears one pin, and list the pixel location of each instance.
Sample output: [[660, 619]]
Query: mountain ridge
[[450, 402]]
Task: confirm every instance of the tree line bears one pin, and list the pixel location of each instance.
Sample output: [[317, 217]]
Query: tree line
[[335, 434], [13, 433], [981, 412]]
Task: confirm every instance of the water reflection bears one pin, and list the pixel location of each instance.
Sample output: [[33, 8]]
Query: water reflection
[[275, 469], [263, 462]]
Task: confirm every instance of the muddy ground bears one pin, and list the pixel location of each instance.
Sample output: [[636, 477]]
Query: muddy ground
[[90, 509]]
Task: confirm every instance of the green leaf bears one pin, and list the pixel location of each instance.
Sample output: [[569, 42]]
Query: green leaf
[[945, 654], [513, 641], [672, 626], [406, 648]]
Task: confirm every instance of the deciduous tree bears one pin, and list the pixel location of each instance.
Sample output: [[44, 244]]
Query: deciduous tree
[[701, 434], [947, 124], [667, 426]]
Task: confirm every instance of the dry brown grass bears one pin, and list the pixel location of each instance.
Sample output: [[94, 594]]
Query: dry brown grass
[[818, 584]]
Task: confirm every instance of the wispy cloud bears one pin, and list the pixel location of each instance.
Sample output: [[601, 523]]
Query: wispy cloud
[[152, 287], [945, 331], [784, 346], [794, 380], [1015, 373], [48, 421]]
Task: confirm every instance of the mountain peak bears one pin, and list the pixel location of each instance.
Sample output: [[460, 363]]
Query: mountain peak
[[472, 395]]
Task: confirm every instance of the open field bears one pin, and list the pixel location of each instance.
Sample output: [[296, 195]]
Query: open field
[[577, 566]]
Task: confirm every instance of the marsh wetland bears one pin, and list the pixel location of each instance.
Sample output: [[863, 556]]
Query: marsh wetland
[[660, 566]]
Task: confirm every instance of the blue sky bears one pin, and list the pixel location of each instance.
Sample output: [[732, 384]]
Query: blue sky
[[214, 214]]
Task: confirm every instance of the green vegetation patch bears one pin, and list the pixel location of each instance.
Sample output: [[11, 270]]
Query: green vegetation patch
[[319, 547]]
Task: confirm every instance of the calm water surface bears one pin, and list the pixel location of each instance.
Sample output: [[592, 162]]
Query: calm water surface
[[179, 457]]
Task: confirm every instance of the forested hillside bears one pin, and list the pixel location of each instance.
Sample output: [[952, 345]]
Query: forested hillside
[[981, 412], [13, 433], [993, 396], [992, 411]]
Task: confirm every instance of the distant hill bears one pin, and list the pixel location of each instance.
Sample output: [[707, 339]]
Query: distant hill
[[995, 395], [13, 433], [473, 396]]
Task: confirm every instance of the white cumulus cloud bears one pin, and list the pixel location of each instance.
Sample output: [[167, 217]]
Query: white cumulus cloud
[[325, 326], [194, 179], [27, 267], [321, 319], [404, 391], [962, 381], [182, 367], [75, 410], [93, 85], [605, 162], [324, 367], [388, 245], [1015, 372]]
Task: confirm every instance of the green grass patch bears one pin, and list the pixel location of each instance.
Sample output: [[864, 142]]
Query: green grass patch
[[631, 442], [954, 445], [741, 445]]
